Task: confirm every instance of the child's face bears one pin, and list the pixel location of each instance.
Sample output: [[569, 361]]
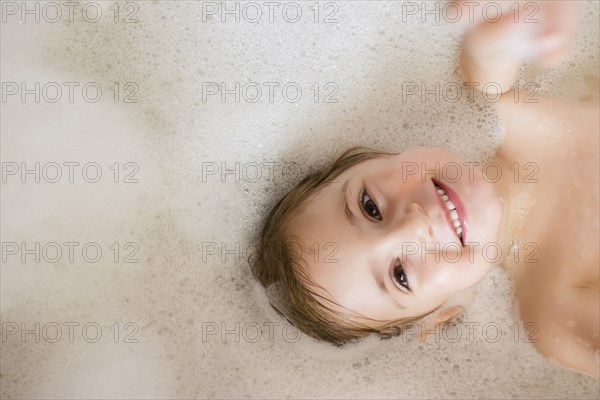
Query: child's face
[[400, 219]]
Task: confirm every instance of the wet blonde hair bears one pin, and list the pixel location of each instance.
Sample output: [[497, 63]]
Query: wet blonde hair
[[278, 267]]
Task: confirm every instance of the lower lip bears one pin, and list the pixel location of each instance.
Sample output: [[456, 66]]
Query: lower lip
[[460, 209]]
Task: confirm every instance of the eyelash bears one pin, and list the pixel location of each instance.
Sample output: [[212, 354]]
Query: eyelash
[[402, 286], [362, 205]]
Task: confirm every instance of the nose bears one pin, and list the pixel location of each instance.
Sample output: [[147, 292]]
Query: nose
[[416, 223], [409, 224]]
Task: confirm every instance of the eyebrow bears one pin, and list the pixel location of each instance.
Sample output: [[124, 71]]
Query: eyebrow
[[377, 277]]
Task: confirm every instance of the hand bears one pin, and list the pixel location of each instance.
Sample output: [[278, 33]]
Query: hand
[[500, 36]]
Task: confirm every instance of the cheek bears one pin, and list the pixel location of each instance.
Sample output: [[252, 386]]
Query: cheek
[[447, 276], [415, 166], [471, 272]]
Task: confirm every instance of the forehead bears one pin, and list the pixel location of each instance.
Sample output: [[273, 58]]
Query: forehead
[[319, 221], [332, 254], [322, 203], [331, 195]]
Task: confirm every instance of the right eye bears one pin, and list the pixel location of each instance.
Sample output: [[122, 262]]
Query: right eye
[[369, 206], [400, 278]]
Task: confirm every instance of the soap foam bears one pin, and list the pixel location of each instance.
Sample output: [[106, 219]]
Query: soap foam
[[184, 285]]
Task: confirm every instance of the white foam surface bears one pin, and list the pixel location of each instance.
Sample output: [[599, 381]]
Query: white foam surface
[[189, 229]]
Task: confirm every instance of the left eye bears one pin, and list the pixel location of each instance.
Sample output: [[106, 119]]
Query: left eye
[[369, 206]]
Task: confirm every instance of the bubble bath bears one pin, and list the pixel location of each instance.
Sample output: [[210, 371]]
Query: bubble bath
[[212, 111]]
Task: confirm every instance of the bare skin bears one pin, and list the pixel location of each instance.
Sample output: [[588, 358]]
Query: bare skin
[[557, 279], [548, 211], [557, 288]]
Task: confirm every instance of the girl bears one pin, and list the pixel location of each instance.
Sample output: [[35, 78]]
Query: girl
[[407, 241]]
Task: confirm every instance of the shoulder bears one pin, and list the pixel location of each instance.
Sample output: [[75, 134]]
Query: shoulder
[[546, 125], [567, 328]]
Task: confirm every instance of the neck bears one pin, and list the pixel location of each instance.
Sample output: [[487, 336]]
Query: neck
[[516, 198]]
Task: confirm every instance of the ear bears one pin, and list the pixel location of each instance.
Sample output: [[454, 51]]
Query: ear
[[429, 327], [448, 313]]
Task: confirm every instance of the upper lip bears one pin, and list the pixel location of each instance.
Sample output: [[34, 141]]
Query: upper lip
[[446, 212]]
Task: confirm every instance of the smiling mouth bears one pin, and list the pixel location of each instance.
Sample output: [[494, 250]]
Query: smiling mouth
[[451, 212]]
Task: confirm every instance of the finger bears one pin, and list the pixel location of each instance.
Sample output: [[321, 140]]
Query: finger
[[557, 14], [558, 26], [494, 52]]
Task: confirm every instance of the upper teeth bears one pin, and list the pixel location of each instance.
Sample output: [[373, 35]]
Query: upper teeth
[[452, 208]]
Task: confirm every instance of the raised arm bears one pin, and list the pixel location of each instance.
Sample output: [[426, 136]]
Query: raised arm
[[501, 36]]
